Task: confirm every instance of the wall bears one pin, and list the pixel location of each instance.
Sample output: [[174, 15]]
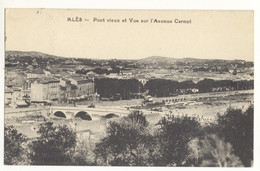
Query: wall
[[36, 92]]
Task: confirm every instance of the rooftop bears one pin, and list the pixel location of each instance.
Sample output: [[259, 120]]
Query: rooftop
[[83, 81], [35, 72], [47, 80]]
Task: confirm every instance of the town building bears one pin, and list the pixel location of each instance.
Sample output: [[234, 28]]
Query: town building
[[45, 90], [67, 90], [47, 73], [26, 90], [85, 87], [35, 74], [12, 95], [113, 75], [126, 73]]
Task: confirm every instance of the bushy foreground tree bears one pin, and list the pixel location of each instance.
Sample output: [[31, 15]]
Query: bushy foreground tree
[[215, 152], [228, 142], [127, 142], [55, 146], [236, 127], [14, 142], [174, 137], [179, 141], [83, 155], [130, 142]]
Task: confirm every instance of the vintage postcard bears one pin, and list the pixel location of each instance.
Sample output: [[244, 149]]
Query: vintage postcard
[[129, 88]]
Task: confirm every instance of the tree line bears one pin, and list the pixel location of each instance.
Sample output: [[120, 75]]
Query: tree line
[[132, 141], [108, 87]]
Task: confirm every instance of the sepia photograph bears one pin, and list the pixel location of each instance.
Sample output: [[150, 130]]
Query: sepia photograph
[[160, 88]]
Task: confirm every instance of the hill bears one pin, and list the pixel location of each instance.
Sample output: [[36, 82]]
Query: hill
[[156, 59], [30, 53]]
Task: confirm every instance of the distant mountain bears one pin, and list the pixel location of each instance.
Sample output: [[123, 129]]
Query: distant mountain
[[156, 59], [160, 59], [147, 60], [30, 53], [164, 62]]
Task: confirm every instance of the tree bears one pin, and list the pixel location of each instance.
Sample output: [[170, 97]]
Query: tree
[[236, 127], [14, 143], [206, 85], [55, 146], [127, 142], [137, 119], [108, 87], [83, 155], [215, 152], [174, 136], [161, 87]]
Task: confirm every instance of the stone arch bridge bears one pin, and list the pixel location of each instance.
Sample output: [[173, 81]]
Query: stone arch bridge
[[86, 113]]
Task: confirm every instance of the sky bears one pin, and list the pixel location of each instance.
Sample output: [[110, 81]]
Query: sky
[[210, 35]]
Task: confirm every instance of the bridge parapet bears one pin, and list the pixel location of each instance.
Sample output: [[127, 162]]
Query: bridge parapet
[[93, 113]]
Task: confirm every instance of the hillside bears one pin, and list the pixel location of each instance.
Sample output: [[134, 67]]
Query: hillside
[[30, 53], [156, 59], [148, 60]]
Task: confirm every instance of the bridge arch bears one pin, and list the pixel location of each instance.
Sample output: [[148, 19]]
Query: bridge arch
[[60, 114], [111, 115], [83, 115]]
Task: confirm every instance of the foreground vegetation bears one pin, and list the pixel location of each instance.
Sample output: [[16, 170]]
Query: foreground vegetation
[[131, 141]]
